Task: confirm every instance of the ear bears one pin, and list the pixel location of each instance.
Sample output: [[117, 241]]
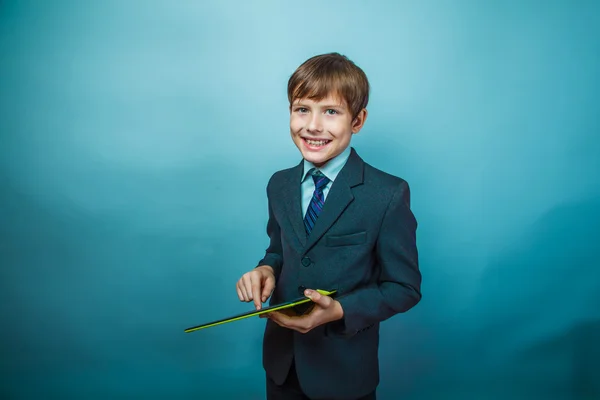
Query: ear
[[359, 121]]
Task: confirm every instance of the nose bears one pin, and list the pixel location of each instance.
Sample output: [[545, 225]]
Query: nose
[[314, 124]]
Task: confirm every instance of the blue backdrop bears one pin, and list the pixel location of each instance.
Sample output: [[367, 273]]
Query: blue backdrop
[[137, 138]]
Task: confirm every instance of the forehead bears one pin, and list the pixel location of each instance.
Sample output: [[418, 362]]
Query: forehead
[[329, 100]]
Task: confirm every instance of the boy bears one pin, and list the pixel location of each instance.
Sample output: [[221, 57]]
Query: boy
[[335, 223]]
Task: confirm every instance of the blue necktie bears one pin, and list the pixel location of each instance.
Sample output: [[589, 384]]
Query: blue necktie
[[318, 200]]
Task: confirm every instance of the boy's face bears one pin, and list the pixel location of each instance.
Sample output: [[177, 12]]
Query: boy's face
[[322, 129]]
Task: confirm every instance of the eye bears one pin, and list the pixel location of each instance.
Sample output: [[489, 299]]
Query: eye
[[301, 110], [331, 111]]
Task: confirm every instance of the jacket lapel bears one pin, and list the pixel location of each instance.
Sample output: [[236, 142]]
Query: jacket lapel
[[291, 198], [339, 197]]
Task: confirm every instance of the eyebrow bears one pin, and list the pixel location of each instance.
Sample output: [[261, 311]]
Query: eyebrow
[[324, 106]]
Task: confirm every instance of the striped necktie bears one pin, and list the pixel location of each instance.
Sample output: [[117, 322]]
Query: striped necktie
[[318, 200]]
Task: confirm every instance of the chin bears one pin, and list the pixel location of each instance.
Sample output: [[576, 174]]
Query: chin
[[316, 160]]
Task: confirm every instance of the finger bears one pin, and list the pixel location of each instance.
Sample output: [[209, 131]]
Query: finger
[[300, 324], [239, 289], [273, 317], [268, 288], [239, 292], [283, 320], [277, 317], [256, 293], [248, 286], [242, 287]]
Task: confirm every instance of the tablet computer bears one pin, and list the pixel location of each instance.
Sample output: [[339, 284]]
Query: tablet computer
[[276, 307]]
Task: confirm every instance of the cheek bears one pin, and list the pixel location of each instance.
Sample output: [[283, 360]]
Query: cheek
[[342, 130], [295, 123]]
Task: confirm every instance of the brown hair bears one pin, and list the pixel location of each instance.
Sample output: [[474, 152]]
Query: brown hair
[[330, 73]]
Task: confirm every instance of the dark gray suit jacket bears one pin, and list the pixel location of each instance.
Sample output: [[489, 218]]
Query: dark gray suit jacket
[[363, 245]]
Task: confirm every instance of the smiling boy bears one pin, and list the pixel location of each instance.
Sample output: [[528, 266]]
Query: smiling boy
[[335, 223]]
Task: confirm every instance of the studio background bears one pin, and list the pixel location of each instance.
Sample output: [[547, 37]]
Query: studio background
[[137, 138]]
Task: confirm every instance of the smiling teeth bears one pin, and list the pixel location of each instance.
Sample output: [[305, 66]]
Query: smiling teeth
[[316, 142]]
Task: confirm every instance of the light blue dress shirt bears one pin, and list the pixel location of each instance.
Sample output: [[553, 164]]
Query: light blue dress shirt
[[330, 170]]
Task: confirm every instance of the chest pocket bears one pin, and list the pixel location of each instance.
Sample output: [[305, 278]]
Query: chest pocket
[[346, 240]]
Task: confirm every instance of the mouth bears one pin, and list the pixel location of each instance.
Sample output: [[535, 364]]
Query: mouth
[[316, 143]]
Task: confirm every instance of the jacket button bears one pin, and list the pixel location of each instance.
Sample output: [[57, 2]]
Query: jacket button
[[301, 290], [306, 261]]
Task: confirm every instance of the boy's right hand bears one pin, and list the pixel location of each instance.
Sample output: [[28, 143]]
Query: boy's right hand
[[256, 285]]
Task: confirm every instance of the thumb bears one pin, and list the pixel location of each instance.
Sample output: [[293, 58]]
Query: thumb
[[323, 301]]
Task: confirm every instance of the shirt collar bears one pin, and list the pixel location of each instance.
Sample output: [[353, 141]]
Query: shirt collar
[[332, 168]]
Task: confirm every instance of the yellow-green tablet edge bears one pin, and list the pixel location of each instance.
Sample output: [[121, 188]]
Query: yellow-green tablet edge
[[259, 312]]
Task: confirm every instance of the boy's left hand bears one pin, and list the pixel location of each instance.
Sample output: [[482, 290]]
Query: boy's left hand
[[325, 310]]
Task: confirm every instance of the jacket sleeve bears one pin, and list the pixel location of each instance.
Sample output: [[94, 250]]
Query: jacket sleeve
[[274, 253], [398, 287]]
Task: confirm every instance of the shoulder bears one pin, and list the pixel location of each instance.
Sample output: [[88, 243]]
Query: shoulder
[[386, 184], [282, 177], [374, 176], [383, 180]]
